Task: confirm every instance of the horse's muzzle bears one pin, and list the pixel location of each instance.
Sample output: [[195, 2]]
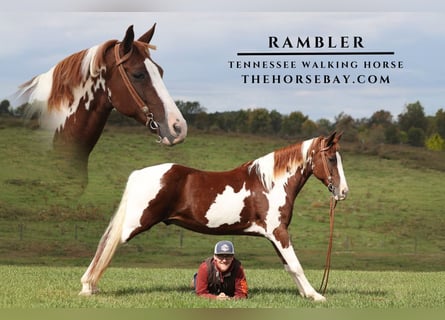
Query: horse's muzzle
[[341, 195], [176, 133]]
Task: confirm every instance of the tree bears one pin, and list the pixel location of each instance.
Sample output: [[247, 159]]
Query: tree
[[308, 128], [381, 117], [440, 122], [324, 126], [435, 142], [190, 109], [276, 120], [413, 117], [392, 134], [346, 124], [416, 137], [292, 124], [259, 121], [202, 121], [4, 108]]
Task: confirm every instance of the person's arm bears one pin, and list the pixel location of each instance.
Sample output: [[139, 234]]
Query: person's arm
[[201, 283], [241, 289]]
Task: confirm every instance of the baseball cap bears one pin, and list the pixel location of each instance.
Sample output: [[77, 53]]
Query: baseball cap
[[224, 247]]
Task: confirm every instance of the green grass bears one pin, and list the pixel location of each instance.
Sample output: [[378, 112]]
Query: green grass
[[57, 287], [389, 245]]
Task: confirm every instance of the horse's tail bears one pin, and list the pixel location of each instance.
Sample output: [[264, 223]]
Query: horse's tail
[[106, 249]]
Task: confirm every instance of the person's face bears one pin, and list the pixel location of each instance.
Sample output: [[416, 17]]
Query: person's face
[[223, 261]]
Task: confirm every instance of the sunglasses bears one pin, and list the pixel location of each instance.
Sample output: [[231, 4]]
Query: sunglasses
[[224, 256]]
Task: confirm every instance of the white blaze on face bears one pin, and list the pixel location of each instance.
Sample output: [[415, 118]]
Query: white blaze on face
[[343, 184], [227, 207], [172, 112]]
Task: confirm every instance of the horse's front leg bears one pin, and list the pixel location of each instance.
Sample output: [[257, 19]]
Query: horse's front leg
[[281, 241]]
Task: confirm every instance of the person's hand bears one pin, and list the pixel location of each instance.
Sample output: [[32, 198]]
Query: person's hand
[[222, 296]]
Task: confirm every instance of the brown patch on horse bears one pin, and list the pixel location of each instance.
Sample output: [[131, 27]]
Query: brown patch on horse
[[99, 58], [280, 233], [67, 75], [287, 159]]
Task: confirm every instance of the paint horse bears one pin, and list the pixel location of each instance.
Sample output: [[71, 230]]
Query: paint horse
[[256, 199], [75, 97]]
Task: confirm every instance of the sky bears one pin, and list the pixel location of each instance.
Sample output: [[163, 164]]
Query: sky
[[198, 49]]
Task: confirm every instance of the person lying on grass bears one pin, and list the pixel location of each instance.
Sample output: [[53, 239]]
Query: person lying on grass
[[222, 276]]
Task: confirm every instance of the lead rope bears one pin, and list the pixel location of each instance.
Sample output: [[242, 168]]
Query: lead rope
[[324, 281]]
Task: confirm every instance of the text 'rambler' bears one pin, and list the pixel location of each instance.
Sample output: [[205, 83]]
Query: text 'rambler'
[[318, 42]]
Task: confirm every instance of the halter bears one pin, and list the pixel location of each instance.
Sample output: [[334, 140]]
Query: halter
[[151, 123]]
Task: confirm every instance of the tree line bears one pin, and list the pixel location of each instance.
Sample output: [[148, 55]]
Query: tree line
[[410, 127]]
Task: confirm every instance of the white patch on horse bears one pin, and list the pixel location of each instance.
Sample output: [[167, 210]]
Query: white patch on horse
[[88, 62], [54, 117], [227, 207], [307, 158], [264, 168], [142, 187], [276, 198]]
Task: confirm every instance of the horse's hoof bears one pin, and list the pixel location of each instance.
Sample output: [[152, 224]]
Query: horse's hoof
[[88, 290], [318, 298]]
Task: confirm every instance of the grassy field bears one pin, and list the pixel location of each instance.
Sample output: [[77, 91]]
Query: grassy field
[[57, 287], [389, 240]]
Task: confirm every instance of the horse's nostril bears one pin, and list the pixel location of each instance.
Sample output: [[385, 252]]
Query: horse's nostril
[[177, 127]]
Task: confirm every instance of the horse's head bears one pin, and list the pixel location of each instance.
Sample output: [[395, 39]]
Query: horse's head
[[328, 167], [136, 88]]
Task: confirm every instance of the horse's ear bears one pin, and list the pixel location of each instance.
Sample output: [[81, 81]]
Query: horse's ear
[[329, 141], [127, 43], [146, 37], [338, 137]]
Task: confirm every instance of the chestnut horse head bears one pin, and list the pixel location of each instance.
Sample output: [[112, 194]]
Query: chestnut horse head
[[328, 167], [75, 97]]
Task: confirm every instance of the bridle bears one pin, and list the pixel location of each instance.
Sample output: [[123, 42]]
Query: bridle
[[323, 150], [150, 122], [333, 203]]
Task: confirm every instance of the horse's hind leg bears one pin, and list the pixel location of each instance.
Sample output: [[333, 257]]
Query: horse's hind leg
[[293, 267], [126, 223], [97, 266], [105, 250]]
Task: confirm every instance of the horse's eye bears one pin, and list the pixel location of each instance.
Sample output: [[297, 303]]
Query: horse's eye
[[138, 76], [333, 159]]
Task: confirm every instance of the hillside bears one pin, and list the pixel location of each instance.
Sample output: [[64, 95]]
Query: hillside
[[392, 220]]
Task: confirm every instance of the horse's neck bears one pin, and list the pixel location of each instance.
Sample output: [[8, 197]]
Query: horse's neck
[[81, 131], [296, 182]]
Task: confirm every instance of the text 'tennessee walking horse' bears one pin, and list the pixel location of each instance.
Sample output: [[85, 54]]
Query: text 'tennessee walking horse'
[[256, 199], [75, 97]]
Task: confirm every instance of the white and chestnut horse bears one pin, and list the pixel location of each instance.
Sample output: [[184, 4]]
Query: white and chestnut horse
[[256, 198], [75, 97]]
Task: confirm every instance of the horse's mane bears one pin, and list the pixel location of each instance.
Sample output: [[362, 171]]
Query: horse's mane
[[286, 160], [55, 89]]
